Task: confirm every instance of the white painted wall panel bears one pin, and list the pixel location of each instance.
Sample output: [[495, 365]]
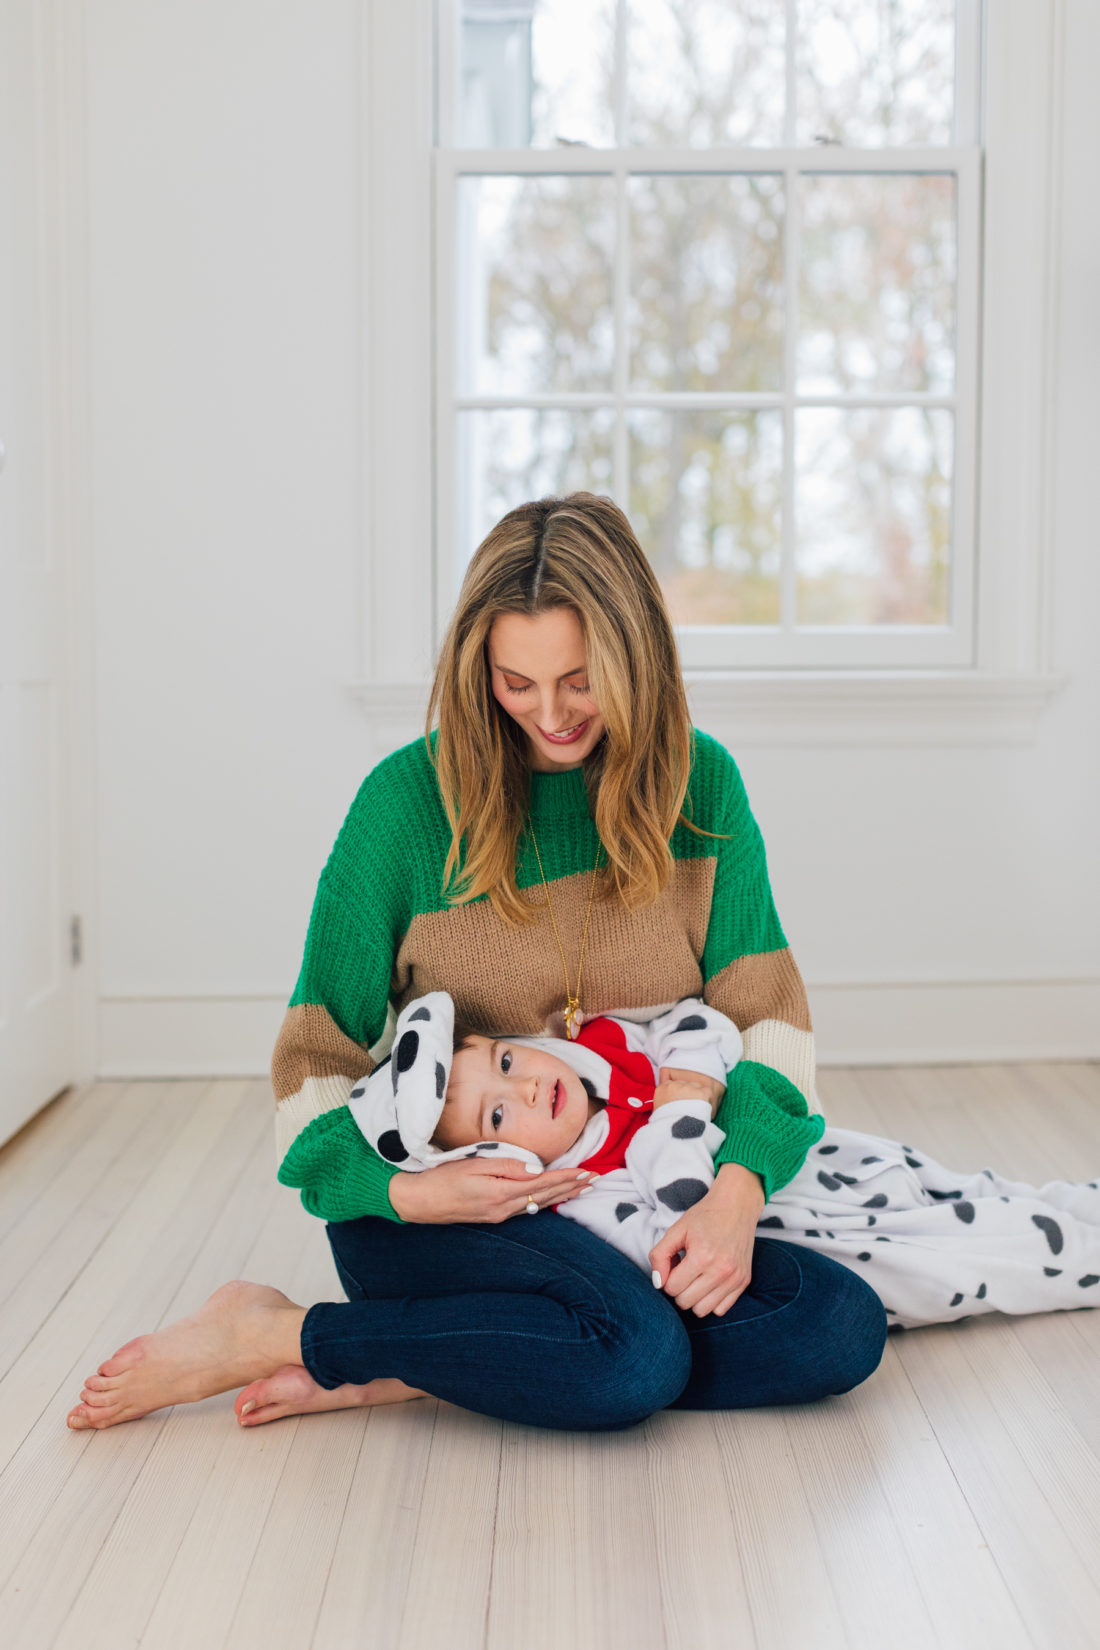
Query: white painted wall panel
[[224, 289]]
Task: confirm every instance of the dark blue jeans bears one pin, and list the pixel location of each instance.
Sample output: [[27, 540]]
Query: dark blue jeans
[[539, 1321]]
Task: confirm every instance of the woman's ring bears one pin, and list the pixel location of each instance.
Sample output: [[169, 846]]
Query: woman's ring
[[532, 1206]]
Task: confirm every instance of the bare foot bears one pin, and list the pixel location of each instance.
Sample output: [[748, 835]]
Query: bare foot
[[293, 1391], [243, 1332]]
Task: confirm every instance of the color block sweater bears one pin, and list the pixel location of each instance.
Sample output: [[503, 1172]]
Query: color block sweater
[[381, 932]]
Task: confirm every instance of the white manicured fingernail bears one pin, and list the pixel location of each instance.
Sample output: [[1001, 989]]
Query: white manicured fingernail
[[584, 1174], [585, 1189], [656, 1276], [251, 1404], [532, 1168]]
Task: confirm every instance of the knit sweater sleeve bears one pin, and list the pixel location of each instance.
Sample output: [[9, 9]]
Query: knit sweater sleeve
[[338, 1011], [769, 1112]]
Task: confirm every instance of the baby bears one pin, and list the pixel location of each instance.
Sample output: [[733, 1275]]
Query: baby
[[937, 1245], [594, 1103]]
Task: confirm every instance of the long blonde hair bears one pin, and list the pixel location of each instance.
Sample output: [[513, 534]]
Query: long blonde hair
[[578, 552]]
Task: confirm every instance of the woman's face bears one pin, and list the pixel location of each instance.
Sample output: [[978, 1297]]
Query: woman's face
[[539, 674]]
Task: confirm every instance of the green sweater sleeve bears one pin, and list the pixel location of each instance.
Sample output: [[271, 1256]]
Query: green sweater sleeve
[[750, 975], [337, 1012], [768, 1126]]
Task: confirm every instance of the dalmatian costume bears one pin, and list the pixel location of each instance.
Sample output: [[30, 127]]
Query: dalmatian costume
[[935, 1244], [652, 1164]]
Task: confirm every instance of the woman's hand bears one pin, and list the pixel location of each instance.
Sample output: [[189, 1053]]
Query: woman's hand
[[480, 1189], [717, 1236]]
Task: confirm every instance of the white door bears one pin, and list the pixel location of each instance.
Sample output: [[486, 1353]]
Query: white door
[[37, 1043]]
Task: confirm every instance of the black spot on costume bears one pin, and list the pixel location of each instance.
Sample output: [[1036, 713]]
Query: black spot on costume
[[682, 1194], [390, 1147], [1051, 1231], [406, 1052]]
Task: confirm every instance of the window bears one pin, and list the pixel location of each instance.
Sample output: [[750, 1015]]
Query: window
[[720, 259], [984, 676]]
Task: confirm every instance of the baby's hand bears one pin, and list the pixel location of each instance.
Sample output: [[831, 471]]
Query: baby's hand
[[673, 1088]]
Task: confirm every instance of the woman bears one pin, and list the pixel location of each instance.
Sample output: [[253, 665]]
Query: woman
[[563, 844]]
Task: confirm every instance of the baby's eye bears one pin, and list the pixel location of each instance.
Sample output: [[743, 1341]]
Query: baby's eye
[[497, 1116], [508, 1057]]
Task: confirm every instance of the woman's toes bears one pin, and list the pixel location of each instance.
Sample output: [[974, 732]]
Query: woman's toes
[[98, 1400], [101, 1383], [291, 1385], [254, 1415], [125, 1358], [247, 1400]]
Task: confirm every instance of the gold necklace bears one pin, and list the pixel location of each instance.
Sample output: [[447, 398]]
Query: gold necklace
[[572, 1013]]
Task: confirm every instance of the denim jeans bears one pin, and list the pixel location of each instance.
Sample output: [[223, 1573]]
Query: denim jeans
[[539, 1321]]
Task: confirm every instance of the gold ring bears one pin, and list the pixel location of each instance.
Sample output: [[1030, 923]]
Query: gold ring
[[532, 1207]]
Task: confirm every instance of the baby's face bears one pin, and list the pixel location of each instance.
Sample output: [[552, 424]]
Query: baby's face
[[507, 1091]]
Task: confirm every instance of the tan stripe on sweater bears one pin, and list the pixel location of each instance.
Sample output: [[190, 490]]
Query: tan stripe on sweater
[[512, 979], [311, 1044], [766, 986]]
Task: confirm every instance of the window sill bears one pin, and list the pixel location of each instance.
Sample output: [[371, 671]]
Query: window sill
[[870, 707], [806, 708]]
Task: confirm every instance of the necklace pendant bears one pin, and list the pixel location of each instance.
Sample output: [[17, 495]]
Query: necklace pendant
[[573, 1017]]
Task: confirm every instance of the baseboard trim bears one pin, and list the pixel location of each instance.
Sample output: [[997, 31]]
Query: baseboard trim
[[864, 1024], [161, 1036], [956, 1022]]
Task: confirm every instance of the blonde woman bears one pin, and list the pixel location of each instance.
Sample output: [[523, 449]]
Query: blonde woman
[[561, 843]]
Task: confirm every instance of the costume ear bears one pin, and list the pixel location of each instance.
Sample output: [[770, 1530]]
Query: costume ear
[[423, 1047]]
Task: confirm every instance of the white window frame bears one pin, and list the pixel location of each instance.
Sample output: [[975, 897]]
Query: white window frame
[[729, 647], [994, 683]]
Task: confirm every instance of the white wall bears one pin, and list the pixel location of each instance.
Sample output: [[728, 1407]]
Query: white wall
[[223, 324]]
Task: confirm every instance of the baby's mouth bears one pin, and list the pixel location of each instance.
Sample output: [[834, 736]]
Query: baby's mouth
[[556, 1099]]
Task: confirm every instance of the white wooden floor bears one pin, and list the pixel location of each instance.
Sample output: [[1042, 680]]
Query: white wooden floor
[[953, 1499]]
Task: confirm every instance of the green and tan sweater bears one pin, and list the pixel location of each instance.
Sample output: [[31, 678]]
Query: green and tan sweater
[[382, 933]]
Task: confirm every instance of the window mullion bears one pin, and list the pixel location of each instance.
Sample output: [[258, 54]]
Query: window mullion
[[968, 47], [967, 324], [621, 26], [620, 478], [445, 68], [791, 103], [620, 451], [452, 477], [788, 591]]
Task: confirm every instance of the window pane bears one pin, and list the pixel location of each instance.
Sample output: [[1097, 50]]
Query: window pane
[[535, 293], [702, 72], [537, 72], [877, 284], [706, 495], [513, 454], [873, 513], [706, 282], [876, 71]]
